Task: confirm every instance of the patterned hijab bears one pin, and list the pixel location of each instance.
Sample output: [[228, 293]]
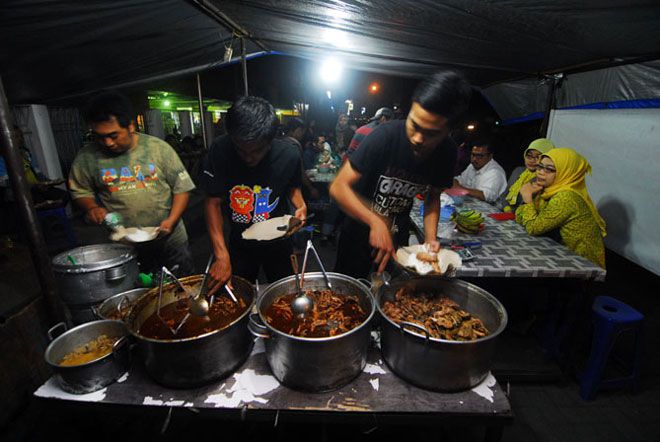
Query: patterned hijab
[[571, 171], [543, 145]]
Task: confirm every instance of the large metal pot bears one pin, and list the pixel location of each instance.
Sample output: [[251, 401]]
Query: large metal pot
[[118, 306], [94, 375], [315, 364], [198, 360], [88, 275], [438, 364]]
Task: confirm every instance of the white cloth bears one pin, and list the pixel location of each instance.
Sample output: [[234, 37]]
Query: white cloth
[[490, 179]]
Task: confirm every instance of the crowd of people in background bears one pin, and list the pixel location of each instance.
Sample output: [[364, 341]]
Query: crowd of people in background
[[476, 173]]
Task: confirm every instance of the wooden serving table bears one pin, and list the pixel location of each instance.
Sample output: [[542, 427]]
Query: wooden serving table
[[252, 390]]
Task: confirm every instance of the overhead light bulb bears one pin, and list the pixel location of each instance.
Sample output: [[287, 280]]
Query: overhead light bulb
[[331, 70]]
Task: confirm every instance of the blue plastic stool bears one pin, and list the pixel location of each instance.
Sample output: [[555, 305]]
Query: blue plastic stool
[[611, 318], [55, 219]]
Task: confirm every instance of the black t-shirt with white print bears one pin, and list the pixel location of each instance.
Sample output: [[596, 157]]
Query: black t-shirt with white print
[[391, 176], [250, 194]]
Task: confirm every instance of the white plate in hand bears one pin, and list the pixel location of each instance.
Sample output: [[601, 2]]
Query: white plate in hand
[[267, 230], [407, 258], [135, 234]]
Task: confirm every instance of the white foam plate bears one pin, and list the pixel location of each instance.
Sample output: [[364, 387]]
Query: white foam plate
[[406, 257], [135, 234], [267, 230]]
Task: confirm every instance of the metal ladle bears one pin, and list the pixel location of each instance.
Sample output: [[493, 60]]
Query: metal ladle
[[199, 305], [302, 304]]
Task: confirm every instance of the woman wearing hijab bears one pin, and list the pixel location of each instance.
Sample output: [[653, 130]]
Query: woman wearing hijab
[[558, 200], [523, 175]]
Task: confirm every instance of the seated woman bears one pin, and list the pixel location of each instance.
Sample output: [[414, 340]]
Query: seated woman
[[524, 174], [559, 200]]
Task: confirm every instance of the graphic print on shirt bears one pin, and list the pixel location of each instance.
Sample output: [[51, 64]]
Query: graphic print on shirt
[[243, 200], [127, 180], [394, 195], [262, 209]]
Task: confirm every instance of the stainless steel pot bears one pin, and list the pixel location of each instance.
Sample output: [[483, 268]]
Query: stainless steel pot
[[438, 364], [315, 364], [114, 305], [198, 360], [94, 375], [88, 275]]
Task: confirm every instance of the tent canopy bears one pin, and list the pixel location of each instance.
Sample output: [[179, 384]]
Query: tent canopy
[[54, 48]]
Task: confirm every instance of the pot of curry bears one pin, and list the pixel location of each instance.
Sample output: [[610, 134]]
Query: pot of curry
[[439, 334], [204, 349], [88, 357], [325, 349]]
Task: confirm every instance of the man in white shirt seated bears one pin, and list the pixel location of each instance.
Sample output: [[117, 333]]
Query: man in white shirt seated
[[484, 178]]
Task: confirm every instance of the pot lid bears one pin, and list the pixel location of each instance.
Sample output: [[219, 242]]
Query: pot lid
[[93, 258]]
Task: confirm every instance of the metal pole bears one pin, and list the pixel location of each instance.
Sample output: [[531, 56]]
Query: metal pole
[[549, 104], [244, 65], [40, 258], [201, 111]]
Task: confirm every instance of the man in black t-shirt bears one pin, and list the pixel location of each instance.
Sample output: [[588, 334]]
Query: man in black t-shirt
[[247, 177], [397, 161]]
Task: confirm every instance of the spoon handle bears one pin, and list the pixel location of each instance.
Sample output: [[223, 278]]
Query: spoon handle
[[294, 266]]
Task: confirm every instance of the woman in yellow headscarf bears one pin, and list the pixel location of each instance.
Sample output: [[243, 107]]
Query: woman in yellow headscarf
[[559, 200], [523, 175]]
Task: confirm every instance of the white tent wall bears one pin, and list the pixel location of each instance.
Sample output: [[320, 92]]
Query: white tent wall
[[622, 146]]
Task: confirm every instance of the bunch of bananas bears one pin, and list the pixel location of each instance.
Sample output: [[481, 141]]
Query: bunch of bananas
[[468, 221]]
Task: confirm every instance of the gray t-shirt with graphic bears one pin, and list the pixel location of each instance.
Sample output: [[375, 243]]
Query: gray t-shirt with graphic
[[138, 184]]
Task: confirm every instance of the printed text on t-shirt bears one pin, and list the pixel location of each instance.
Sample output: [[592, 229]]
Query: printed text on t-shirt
[[394, 195]]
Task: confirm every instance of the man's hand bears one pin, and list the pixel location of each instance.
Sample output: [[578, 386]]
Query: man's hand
[[301, 214], [220, 272], [96, 215], [166, 227], [433, 246], [528, 190], [380, 239]]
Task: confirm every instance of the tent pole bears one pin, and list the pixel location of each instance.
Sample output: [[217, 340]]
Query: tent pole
[[25, 206], [244, 66], [549, 104], [202, 121]]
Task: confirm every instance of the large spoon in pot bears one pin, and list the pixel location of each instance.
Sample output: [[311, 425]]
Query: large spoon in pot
[[301, 304]]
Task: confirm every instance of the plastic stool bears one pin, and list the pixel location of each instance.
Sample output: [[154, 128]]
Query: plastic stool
[[611, 318], [52, 219]]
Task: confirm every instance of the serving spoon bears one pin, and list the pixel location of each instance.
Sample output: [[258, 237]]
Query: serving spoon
[[301, 304]]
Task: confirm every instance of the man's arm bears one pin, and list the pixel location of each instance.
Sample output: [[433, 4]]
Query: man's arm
[[380, 238], [220, 271], [475, 193], [179, 204], [296, 197], [94, 213]]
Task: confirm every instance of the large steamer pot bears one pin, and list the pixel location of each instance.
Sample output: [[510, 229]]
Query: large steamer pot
[[116, 304], [315, 364], [198, 360], [93, 375], [439, 364], [88, 275]]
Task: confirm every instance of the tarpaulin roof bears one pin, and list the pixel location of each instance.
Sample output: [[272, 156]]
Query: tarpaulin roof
[[58, 48]]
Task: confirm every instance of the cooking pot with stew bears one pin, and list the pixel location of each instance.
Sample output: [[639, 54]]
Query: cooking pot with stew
[[450, 362], [322, 355], [204, 349], [88, 357]]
